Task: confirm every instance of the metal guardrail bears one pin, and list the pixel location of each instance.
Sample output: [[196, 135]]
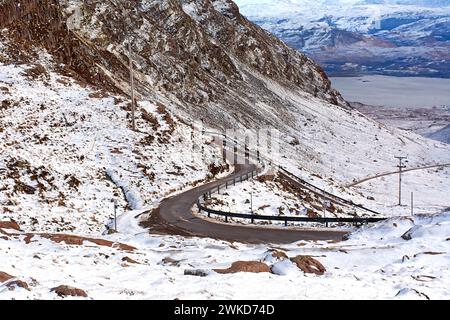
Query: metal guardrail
[[326, 193], [329, 195], [286, 219], [262, 159]]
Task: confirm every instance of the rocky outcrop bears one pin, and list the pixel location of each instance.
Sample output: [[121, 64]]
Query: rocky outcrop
[[60, 238], [42, 24], [11, 282], [309, 265], [274, 255], [78, 240], [129, 260], [65, 291], [9, 225], [199, 56], [245, 266]]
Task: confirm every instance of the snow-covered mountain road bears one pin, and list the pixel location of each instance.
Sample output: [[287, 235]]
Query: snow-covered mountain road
[[174, 216]]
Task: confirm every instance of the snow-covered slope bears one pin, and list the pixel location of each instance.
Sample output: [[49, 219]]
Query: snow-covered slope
[[402, 258], [67, 152], [442, 135], [361, 37]]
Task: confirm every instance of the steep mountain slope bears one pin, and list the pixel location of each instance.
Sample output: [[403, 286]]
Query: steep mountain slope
[[362, 37], [191, 53], [67, 153]]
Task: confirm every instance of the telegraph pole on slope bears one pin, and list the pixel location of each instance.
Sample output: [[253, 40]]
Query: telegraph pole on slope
[[400, 167], [133, 102]]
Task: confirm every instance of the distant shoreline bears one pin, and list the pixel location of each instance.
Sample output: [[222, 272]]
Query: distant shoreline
[[332, 75]]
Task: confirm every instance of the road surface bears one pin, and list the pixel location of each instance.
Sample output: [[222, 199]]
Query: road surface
[[174, 217]]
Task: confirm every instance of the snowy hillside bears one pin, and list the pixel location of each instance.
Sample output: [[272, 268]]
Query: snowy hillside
[[442, 135], [362, 37], [402, 258], [68, 154]]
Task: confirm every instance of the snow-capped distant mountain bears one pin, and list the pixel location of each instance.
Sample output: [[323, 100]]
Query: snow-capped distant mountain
[[395, 37]]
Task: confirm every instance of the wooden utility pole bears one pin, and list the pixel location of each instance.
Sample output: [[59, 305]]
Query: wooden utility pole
[[224, 148], [115, 215], [133, 102], [400, 167]]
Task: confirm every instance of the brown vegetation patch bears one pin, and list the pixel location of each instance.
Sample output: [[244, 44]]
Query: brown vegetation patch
[[150, 119], [5, 104], [73, 182], [216, 169], [37, 72], [148, 140], [99, 94], [24, 188], [266, 177]]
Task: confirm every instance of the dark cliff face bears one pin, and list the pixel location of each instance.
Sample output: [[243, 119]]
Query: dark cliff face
[[201, 56]]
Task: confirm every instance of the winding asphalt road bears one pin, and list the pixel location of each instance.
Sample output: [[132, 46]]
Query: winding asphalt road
[[174, 217]]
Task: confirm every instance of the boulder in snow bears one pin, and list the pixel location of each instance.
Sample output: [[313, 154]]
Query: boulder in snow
[[11, 283], [64, 291], [309, 265], [245, 266]]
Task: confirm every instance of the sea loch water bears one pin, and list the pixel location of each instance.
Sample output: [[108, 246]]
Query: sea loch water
[[396, 92]]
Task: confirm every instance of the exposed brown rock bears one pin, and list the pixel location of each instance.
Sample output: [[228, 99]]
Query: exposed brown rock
[[245, 266], [218, 58], [196, 273], [4, 277], [279, 255], [171, 262], [18, 283], [9, 225], [66, 238], [309, 265], [129, 260], [64, 291], [77, 240], [37, 71]]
